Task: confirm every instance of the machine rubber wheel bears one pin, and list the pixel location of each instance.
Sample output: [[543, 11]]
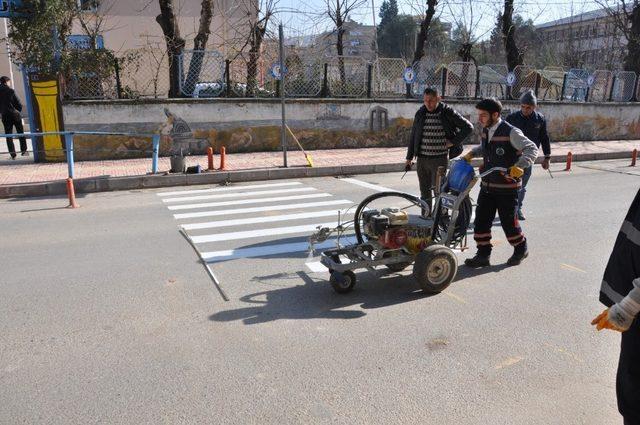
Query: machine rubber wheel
[[435, 268], [342, 282]]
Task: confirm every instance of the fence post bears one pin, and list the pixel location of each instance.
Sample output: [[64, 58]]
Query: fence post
[[30, 111], [564, 86], [68, 144], [116, 65], [369, 76], [477, 94], [613, 85], [445, 71], [155, 140], [538, 83], [227, 77], [408, 93], [325, 81], [586, 95]]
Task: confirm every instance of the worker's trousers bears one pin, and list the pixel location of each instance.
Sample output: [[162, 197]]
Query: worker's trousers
[[506, 204]]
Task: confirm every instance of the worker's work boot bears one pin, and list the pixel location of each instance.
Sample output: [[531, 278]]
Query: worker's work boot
[[477, 261], [520, 252]]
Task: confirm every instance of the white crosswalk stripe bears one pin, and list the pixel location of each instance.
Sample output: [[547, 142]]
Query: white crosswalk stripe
[[247, 201], [249, 234], [239, 194], [227, 188], [262, 251], [269, 208], [255, 220]]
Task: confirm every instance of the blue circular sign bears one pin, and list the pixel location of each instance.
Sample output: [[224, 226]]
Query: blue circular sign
[[277, 71], [409, 75], [511, 79]]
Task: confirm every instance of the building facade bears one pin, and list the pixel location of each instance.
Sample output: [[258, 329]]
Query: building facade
[[588, 40]]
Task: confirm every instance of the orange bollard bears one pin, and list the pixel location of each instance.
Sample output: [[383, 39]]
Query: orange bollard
[[210, 158], [223, 153], [569, 160], [72, 194], [634, 157]]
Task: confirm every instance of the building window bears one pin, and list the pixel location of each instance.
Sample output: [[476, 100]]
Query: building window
[[83, 42], [89, 5]]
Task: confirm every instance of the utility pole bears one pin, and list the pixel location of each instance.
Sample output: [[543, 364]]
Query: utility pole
[[283, 129]]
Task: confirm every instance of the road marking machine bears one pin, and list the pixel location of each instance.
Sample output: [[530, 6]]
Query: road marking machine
[[395, 237]]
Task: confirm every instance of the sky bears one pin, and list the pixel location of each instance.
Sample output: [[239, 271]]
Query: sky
[[307, 17]]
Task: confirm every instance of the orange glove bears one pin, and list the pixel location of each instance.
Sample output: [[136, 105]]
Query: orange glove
[[515, 172], [602, 322]]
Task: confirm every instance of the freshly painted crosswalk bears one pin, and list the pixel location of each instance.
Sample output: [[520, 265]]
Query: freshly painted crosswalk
[[256, 220]]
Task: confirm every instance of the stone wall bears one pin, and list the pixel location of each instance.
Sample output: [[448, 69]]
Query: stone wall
[[253, 125]]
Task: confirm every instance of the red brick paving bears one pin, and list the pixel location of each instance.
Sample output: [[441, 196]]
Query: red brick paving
[[24, 171]]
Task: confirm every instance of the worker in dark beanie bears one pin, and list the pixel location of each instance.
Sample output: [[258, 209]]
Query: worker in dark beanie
[[534, 126], [620, 293], [502, 145], [10, 108]]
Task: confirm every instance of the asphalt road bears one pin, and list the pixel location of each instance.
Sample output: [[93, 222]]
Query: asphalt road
[[107, 316]]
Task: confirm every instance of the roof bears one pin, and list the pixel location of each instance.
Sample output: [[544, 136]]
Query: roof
[[582, 17]]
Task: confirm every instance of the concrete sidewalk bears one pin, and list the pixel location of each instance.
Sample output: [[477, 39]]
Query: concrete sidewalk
[[24, 178]]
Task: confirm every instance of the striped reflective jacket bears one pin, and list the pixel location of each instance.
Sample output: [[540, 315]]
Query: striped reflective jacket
[[624, 264]]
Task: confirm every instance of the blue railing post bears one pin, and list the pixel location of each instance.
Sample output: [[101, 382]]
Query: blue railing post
[[68, 141], [156, 152]]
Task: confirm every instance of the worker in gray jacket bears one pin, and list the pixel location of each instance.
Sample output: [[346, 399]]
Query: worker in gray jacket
[[504, 146], [620, 292]]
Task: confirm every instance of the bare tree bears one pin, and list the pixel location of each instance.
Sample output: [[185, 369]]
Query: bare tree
[[338, 11], [625, 15], [464, 34], [199, 46], [168, 21], [425, 24], [258, 24], [514, 56], [466, 22]]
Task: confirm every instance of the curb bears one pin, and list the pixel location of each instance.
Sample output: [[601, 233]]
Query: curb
[[106, 184]]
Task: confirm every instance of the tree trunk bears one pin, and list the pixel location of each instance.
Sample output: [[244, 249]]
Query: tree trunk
[[466, 57], [514, 57], [252, 65], [340, 49], [632, 60], [175, 43], [199, 47], [424, 30]]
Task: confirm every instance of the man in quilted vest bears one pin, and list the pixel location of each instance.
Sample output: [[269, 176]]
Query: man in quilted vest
[[503, 145]]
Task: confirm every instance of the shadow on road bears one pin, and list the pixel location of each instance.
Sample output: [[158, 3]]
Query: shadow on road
[[315, 299]]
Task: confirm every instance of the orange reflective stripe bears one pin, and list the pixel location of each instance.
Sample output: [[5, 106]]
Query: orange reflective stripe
[[515, 237], [482, 235]]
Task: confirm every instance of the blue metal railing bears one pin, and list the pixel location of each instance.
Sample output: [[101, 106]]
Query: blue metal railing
[[69, 135]]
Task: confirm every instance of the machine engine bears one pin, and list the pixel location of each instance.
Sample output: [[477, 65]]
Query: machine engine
[[393, 228]]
